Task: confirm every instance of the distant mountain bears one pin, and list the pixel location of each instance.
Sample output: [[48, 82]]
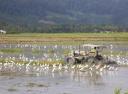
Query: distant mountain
[[35, 12]]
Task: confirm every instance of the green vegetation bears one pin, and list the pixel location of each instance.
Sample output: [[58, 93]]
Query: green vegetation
[[36, 51], [66, 52], [63, 38], [118, 91], [59, 35], [61, 28], [12, 89], [41, 15], [31, 84], [115, 53], [35, 63], [11, 50]]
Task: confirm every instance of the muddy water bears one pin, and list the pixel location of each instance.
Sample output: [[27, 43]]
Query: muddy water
[[63, 82]]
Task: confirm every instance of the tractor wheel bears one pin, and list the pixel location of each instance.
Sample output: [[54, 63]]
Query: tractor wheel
[[70, 61], [90, 60]]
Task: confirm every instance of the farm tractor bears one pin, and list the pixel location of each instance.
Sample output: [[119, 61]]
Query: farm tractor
[[90, 55]]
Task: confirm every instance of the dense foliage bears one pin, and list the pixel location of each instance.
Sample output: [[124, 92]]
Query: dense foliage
[[67, 28], [63, 15]]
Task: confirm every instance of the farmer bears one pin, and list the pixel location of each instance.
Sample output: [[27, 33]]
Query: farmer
[[94, 51]]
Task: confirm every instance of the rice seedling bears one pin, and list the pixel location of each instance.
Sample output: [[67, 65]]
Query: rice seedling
[[12, 89], [62, 37], [36, 51], [118, 91], [31, 84], [11, 50]]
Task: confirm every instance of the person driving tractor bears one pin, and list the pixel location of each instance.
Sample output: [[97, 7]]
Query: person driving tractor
[[94, 51]]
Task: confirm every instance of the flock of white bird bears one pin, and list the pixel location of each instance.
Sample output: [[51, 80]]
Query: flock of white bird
[[75, 72], [10, 64], [3, 32]]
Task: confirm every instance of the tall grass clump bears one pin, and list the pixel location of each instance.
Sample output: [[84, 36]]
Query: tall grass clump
[[118, 91], [11, 50], [36, 51]]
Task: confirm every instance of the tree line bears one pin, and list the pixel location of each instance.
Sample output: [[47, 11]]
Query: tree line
[[61, 28]]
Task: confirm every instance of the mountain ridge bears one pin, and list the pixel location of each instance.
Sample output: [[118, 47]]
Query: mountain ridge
[[35, 13]]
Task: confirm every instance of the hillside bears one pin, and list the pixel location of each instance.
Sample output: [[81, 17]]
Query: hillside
[[65, 11], [51, 12]]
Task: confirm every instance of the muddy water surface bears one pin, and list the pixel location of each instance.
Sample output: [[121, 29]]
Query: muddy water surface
[[63, 82]]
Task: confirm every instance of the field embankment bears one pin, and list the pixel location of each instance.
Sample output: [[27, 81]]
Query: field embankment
[[60, 37]]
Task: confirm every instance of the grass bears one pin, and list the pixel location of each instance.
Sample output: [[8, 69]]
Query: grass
[[11, 50], [118, 91], [31, 84], [12, 89], [66, 52], [36, 51], [118, 34], [115, 53], [62, 37], [35, 63]]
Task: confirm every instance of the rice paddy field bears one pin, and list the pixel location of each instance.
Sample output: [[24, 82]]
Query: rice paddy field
[[62, 37], [36, 64]]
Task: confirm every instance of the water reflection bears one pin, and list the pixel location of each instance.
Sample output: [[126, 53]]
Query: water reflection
[[90, 77], [61, 80]]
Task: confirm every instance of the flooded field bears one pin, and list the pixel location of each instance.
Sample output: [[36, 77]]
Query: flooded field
[[27, 52], [66, 82], [31, 78]]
